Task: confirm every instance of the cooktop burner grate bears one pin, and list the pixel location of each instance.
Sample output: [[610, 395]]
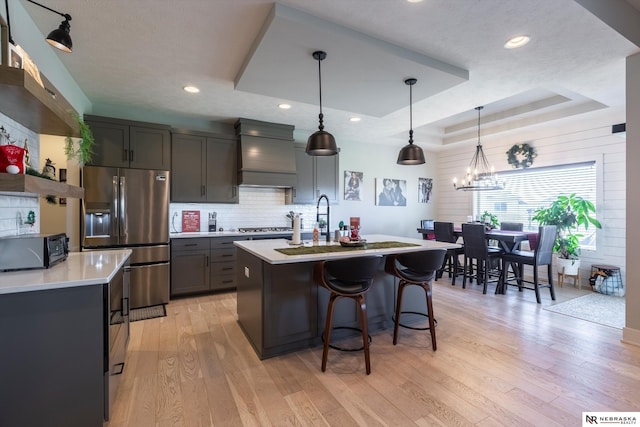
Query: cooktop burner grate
[[263, 229]]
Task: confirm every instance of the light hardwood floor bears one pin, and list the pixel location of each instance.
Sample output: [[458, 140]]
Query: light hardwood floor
[[502, 360]]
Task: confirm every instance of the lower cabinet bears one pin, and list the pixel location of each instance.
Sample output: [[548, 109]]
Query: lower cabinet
[[202, 264]]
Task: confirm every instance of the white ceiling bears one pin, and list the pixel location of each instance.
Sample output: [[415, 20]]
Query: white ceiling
[[247, 56]]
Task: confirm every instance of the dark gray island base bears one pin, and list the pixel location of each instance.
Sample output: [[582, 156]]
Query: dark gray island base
[[281, 309]]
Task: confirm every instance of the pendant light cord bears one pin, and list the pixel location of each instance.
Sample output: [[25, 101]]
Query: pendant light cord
[[410, 114], [320, 116], [479, 108]]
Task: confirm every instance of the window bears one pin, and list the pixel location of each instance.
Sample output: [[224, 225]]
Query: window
[[529, 189]]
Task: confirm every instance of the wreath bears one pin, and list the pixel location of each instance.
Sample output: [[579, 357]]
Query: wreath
[[521, 155]]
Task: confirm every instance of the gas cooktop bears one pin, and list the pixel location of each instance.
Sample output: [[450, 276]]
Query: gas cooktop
[[264, 229]]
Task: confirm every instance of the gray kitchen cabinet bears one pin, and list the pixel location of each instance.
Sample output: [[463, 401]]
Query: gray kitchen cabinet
[[63, 351], [223, 263], [130, 144], [203, 264], [203, 168], [189, 266], [315, 175]]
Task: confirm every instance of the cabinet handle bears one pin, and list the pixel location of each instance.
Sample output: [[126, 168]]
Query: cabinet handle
[[125, 153], [131, 155], [125, 313], [233, 191], [118, 365], [227, 255], [227, 281], [191, 244], [294, 192], [227, 268], [207, 260], [202, 190], [226, 243]]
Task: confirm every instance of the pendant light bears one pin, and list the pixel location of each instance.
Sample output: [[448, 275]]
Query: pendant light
[[411, 154], [480, 176], [59, 38], [321, 143]]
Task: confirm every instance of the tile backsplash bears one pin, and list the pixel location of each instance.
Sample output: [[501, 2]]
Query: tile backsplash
[[258, 207], [15, 208]]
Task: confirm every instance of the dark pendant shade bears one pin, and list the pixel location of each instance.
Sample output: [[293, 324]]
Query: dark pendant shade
[[411, 155], [60, 38], [321, 143]]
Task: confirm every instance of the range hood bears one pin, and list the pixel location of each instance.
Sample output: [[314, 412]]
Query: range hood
[[266, 156]]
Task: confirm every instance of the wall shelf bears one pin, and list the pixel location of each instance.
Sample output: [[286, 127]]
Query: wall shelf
[[41, 110], [11, 184]]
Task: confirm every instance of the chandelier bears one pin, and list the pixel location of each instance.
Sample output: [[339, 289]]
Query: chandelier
[[480, 175]]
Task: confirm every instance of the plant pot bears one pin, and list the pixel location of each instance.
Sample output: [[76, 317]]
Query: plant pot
[[570, 266]]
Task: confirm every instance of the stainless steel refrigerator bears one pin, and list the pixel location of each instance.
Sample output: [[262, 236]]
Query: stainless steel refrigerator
[[129, 208]]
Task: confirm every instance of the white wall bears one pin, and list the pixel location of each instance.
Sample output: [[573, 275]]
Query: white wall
[[561, 146]]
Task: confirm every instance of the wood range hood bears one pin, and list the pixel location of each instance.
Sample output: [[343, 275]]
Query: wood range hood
[[266, 156]]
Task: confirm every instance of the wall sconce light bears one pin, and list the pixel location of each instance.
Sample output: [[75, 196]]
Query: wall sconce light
[[59, 38]]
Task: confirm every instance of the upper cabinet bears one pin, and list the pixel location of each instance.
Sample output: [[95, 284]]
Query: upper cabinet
[[130, 144], [203, 168], [39, 109], [315, 175]]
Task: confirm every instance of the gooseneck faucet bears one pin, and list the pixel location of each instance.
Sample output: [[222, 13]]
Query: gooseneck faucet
[[324, 196]]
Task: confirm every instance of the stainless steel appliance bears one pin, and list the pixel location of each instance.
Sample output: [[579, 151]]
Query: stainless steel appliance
[[129, 208], [32, 251]]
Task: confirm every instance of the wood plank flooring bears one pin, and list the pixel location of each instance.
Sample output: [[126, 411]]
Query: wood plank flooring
[[502, 360]]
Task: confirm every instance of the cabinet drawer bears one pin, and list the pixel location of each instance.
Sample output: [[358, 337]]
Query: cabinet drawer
[[225, 281], [220, 268], [218, 255], [189, 244], [223, 242]]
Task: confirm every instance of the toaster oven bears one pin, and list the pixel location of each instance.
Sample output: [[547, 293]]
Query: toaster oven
[[31, 251]]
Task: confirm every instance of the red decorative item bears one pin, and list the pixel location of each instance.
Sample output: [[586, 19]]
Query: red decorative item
[[190, 221], [12, 159]]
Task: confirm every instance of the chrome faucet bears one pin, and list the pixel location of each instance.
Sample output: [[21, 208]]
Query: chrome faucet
[[324, 196]]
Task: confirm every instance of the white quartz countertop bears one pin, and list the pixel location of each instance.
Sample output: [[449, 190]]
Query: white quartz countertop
[[266, 249], [79, 269], [233, 234]]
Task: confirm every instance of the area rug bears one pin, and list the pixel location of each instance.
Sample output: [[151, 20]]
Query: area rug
[[145, 313], [598, 308]]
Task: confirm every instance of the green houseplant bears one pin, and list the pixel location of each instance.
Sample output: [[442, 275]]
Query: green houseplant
[[568, 214], [490, 219], [84, 151]]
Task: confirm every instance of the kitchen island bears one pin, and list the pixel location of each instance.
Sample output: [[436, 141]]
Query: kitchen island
[[281, 309], [63, 332]]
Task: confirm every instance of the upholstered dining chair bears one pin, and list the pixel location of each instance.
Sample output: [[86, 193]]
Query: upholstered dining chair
[[541, 256], [477, 248], [415, 268], [347, 278], [451, 263]]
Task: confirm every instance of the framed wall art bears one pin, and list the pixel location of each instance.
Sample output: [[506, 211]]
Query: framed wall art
[[390, 192], [425, 185], [353, 185]]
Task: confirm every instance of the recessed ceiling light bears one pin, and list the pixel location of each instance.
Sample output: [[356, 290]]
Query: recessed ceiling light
[[191, 89], [354, 119], [414, 1], [284, 106], [517, 41]]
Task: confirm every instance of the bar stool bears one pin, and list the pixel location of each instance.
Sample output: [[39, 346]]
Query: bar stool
[[347, 278], [451, 264], [415, 268]]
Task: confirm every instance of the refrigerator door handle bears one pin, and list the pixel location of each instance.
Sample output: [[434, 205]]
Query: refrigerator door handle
[[115, 206], [123, 198]]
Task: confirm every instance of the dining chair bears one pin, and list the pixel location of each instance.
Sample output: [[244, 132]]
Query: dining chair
[[477, 248], [347, 278], [451, 264], [541, 256], [415, 268]]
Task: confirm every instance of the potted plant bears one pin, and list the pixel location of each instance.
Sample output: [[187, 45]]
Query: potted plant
[[490, 220], [568, 214], [84, 151]]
